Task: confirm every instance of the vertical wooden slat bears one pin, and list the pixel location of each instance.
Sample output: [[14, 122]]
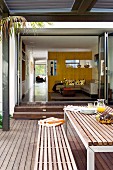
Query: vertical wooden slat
[[57, 149], [54, 160], [37, 149], [67, 159], [61, 148], [45, 148], [69, 149], [41, 150], [49, 150]]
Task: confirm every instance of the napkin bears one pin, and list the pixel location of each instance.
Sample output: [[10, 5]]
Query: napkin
[[52, 121], [72, 108]]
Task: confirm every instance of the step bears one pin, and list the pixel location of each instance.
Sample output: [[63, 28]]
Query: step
[[37, 115], [38, 109]]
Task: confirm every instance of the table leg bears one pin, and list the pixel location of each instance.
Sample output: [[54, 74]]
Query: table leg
[[90, 159], [65, 124]]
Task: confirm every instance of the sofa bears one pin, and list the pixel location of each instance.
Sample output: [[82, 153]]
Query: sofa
[[89, 86]]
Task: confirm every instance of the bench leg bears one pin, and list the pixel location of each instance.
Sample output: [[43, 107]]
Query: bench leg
[[90, 159], [65, 124]]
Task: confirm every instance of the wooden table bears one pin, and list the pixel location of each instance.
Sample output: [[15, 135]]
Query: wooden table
[[95, 136], [67, 91]]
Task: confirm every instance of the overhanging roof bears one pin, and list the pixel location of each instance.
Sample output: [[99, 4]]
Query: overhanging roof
[[61, 10]]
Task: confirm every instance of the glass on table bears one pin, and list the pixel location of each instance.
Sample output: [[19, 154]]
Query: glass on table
[[100, 105], [90, 105]]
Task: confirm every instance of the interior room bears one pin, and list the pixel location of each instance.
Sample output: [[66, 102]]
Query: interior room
[[66, 57], [71, 56], [73, 78]]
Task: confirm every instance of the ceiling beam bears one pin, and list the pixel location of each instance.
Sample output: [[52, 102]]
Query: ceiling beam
[[68, 17], [76, 5], [92, 5], [85, 6], [3, 7]]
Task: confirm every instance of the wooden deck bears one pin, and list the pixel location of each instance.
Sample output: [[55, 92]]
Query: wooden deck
[[18, 148]]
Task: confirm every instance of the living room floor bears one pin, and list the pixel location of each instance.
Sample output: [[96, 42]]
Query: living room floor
[[38, 93], [79, 96]]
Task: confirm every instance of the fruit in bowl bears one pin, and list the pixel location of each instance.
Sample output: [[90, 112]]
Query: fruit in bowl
[[105, 118]]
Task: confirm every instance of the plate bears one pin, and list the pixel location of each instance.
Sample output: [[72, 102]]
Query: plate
[[87, 110]]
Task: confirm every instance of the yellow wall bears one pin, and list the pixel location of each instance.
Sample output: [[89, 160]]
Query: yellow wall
[[69, 73]]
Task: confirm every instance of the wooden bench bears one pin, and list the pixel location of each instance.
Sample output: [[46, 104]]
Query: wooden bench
[[53, 150]]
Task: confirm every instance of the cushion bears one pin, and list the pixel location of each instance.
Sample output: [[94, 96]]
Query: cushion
[[77, 82], [80, 82]]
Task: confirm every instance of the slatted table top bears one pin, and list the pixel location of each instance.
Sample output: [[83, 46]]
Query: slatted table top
[[92, 132]]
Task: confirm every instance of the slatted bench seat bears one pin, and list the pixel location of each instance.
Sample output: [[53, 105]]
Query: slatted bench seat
[[53, 150]]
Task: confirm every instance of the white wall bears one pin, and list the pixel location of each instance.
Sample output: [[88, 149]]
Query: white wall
[[31, 70], [27, 71], [12, 74], [0, 76]]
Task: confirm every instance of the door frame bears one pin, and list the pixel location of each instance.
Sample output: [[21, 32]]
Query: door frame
[[103, 58]]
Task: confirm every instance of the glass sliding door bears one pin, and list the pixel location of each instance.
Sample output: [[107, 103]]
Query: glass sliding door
[[103, 66], [110, 67]]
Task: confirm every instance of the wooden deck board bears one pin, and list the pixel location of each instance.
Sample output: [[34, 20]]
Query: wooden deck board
[[18, 148], [26, 147], [11, 155], [77, 149], [7, 143]]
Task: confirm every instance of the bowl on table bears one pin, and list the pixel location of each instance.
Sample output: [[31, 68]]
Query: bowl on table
[[87, 110]]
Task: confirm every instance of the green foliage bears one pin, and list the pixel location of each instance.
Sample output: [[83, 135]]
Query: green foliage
[[11, 23], [39, 24], [1, 117], [40, 70], [1, 120]]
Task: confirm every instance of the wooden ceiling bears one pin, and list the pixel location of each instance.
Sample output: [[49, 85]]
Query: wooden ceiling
[[60, 10]]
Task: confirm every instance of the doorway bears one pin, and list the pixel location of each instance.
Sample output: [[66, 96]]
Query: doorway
[[40, 85]]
